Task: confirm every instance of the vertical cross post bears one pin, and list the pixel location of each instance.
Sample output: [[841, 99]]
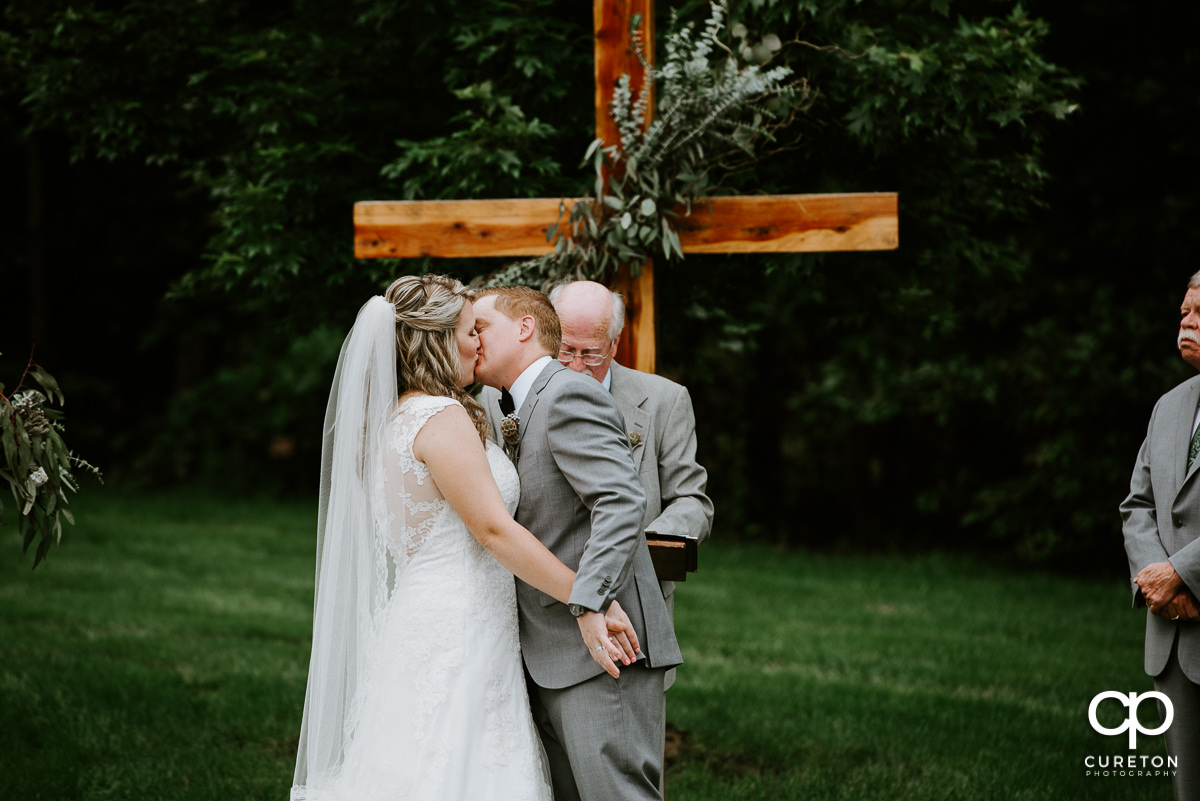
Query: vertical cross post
[[616, 56]]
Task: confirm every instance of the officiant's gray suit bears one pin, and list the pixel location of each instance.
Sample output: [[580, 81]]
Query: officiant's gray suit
[[581, 496], [1162, 523], [658, 414]]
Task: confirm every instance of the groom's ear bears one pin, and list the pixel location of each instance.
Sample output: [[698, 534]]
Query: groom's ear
[[528, 328]]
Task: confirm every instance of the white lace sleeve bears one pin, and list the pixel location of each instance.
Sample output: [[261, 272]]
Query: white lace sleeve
[[412, 500]]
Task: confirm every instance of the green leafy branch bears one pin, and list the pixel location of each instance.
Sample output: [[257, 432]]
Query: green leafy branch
[[496, 139], [715, 108], [37, 463]]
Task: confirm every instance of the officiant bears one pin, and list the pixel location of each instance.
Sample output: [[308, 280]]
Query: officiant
[[658, 414], [658, 411]]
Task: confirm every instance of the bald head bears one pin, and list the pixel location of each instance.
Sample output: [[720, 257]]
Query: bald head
[[592, 317]]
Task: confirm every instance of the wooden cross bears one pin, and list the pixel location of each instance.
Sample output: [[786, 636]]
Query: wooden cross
[[517, 227]]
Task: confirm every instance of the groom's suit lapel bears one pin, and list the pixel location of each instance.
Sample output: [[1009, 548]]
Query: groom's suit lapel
[[1181, 435], [525, 413]]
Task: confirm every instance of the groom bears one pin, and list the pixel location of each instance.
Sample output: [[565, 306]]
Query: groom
[[580, 496]]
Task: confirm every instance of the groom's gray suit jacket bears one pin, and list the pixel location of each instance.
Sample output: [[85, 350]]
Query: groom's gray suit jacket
[[1162, 520], [581, 497]]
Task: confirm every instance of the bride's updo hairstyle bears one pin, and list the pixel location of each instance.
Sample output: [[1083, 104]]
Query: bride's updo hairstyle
[[427, 311]]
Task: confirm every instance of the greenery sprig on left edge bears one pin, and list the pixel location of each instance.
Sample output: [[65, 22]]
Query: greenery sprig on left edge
[[37, 463], [716, 106]]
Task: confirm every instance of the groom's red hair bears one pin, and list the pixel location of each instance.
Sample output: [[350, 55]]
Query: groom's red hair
[[515, 302]]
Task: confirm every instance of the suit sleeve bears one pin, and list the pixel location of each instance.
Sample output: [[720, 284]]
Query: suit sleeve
[[590, 448], [1139, 515], [1186, 562], [686, 510]]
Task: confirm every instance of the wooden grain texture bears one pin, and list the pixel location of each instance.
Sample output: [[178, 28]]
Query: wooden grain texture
[[745, 224], [453, 228], [615, 57], [637, 346], [792, 223]]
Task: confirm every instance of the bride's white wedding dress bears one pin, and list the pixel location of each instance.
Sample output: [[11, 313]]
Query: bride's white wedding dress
[[443, 712]]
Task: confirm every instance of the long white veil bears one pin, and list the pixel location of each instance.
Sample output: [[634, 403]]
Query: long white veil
[[351, 571]]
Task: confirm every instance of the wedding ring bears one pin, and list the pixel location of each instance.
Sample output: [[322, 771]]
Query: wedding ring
[[599, 647]]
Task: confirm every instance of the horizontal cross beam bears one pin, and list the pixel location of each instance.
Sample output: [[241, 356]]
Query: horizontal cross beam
[[517, 227]]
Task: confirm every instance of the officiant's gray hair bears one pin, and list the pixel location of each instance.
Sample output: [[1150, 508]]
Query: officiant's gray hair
[[1194, 281], [427, 311], [616, 316]]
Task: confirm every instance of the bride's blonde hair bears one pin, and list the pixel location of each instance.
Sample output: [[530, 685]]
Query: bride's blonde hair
[[427, 309]]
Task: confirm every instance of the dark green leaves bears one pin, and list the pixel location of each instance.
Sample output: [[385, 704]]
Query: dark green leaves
[[493, 137], [37, 463]]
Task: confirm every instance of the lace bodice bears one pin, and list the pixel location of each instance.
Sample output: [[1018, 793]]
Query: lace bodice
[[414, 504]]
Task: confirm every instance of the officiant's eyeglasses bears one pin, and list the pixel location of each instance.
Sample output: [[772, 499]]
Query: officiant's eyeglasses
[[566, 356]]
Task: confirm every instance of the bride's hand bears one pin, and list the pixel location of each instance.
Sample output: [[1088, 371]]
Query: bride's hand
[[600, 645], [621, 628]]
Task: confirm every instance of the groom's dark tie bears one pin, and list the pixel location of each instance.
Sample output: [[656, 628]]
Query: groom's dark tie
[[1193, 450], [507, 407]]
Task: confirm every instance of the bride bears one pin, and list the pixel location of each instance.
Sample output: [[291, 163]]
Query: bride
[[416, 688]]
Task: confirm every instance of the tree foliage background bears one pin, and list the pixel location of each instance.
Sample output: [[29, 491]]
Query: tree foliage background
[[178, 242]]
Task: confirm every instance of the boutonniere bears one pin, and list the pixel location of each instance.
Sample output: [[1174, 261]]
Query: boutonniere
[[635, 438], [510, 429]]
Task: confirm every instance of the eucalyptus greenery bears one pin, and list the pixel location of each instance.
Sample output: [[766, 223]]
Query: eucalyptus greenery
[[716, 106], [37, 463]]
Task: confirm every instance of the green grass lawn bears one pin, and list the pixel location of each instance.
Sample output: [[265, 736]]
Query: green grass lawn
[[161, 654]]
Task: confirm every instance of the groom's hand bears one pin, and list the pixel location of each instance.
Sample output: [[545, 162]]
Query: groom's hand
[[621, 628], [600, 645]]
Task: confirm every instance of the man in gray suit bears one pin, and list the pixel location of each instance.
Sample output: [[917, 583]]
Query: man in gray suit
[[581, 497], [1162, 540], [658, 415], [658, 412]]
